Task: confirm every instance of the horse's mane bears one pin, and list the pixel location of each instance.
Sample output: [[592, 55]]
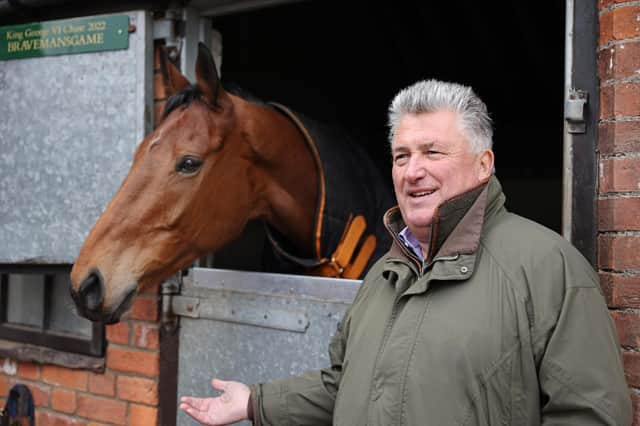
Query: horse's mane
[[184, 97], [192, 93]]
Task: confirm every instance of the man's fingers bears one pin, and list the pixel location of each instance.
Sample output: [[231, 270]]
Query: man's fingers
[[193, 403], [192, 412]]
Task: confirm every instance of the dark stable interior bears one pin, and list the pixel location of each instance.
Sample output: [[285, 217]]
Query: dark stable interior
[[344, 62]]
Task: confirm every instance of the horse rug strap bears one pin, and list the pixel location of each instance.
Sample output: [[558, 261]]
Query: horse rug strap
[[350, 185], [340, 265], [19, 409]]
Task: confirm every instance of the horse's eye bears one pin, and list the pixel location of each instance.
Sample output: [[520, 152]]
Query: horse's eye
[[188, 165]]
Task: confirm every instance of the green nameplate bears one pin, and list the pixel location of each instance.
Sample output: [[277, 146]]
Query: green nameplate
[[64, 37]]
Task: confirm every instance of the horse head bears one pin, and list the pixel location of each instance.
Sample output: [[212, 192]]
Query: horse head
[[194, 183]]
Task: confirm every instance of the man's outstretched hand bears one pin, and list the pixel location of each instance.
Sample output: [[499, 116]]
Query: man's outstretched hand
[[228, 408]]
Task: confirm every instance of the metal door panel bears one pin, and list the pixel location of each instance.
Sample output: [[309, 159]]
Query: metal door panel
[[268, 326]]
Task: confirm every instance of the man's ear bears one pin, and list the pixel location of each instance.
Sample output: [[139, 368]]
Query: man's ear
[[486, 164]]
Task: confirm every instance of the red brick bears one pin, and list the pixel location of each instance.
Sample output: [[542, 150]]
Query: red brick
[[28, 370], [619, 214], [4, 385], [102, 384], [118, 333], [628, 327], [619, 252], [138, 389], [619, 175], [63, 400], [75, 379], [133, 361], [46, 418], [607, 101], [619, 61], [619, 136], [621, 291], [620, 100], [102, 409], [631, 362], [606, 28], [145, 308], [619, 24], [146, 336], [41, 394], [140, 415], [605, 3]]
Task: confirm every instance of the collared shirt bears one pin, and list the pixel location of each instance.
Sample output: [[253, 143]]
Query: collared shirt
[[411, 242]]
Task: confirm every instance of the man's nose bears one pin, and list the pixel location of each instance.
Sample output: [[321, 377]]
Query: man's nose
[[416, 169]]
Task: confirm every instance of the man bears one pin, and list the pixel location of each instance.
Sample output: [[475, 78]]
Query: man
[[476, 316]]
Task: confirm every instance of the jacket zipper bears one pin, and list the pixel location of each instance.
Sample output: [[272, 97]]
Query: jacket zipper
[[385, 338]]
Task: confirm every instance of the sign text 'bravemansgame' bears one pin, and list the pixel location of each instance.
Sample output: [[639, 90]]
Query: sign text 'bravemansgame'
[[64, 37]]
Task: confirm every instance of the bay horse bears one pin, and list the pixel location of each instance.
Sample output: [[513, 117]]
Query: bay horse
[[215, 162]]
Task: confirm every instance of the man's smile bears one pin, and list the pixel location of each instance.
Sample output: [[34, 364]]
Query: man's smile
[[421, 193]]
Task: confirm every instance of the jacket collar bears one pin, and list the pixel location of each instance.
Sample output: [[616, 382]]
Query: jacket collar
[[456, 227]]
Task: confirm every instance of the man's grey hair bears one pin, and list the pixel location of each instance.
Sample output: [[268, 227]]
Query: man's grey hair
[[433, 95]]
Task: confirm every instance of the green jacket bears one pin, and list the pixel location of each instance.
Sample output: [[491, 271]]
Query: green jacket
[[503, 324]]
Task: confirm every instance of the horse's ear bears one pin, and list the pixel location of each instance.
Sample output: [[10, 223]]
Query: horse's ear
[[207, 75], [172, 78]]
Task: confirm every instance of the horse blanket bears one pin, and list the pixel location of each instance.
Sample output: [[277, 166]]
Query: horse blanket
[[350, 185]]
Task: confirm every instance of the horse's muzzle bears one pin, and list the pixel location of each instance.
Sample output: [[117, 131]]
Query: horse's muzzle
[[90, 297], [91, 291]]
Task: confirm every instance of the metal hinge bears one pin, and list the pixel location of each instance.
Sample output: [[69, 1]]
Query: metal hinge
[[229, 310], [170, 28], [169, 289], [574, 111]]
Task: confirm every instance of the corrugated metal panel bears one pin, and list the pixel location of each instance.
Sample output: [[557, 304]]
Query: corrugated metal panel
[[69, 127]]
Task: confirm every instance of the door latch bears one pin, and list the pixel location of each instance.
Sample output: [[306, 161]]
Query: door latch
[[574, 111]]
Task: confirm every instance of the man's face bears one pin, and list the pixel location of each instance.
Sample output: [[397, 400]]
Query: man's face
[[433, 162]]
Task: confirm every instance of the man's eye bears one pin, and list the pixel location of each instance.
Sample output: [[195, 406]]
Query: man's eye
[[188, 165], [400, 158]]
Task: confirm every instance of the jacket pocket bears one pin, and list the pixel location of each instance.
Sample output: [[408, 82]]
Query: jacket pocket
[[490, 397]]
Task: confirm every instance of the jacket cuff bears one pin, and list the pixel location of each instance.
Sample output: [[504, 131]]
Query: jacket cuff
[[253, 410], [250, 407]]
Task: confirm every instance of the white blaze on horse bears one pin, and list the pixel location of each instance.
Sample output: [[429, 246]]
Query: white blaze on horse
[[215, 162]]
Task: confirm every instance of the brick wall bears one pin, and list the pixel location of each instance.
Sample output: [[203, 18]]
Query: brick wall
[[126, 393], [619, 177]]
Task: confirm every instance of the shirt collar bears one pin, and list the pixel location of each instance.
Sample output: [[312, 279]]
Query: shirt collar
[[411, 242]]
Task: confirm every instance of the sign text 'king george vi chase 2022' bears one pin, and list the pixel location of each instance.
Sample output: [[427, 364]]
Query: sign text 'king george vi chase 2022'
[[64, 37]]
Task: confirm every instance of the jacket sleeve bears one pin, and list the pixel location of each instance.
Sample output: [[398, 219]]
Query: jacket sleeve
[[307, 399], [580, 369], [301, 400]]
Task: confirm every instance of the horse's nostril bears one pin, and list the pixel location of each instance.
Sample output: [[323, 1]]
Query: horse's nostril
[[91, 291]]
